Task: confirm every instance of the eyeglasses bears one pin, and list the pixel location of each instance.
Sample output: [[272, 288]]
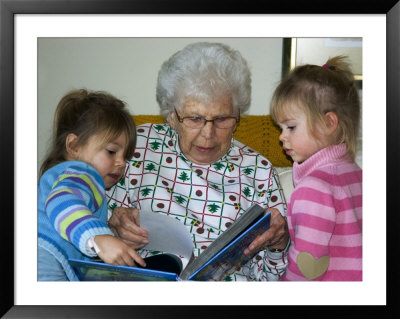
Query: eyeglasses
[[198, 122]]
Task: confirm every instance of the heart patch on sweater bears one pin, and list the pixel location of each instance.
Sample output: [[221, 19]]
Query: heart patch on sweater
[[311, 267]]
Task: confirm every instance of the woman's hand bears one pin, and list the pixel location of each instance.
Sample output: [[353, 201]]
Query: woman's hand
[[276, 237], [114, 251], [124, 223]]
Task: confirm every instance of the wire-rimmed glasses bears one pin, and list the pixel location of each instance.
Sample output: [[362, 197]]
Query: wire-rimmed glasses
[[197, 122]]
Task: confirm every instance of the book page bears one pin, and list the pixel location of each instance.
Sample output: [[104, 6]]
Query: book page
[[167, 234]]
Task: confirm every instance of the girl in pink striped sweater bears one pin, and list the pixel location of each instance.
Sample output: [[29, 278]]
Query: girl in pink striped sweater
[[318, 111]]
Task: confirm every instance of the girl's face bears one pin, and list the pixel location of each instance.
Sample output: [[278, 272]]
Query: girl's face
[[208, 144], [108, 159], [295, 136]]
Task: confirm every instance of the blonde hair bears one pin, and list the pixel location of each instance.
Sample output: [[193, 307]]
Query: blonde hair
[[318, 90], [85, 114]]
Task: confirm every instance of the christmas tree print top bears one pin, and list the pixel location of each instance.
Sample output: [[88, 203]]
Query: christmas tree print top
[[205, 198]]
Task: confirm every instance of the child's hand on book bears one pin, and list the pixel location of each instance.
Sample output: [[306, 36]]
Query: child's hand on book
[[114, 251], [275, 238]]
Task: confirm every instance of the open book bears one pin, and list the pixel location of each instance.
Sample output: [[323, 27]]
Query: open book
[[169, 236]]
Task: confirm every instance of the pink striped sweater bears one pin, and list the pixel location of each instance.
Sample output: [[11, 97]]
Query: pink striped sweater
[[325, 218]]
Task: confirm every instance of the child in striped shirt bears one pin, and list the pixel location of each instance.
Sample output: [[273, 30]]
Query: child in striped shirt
[[93, 136], [318, 111]]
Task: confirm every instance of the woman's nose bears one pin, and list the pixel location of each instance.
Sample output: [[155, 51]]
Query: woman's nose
[[208, 129]]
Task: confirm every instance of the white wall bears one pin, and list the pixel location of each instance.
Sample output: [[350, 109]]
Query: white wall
[[128, 67]]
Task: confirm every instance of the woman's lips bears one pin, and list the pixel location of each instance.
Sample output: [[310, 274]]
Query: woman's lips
[[204, 149]]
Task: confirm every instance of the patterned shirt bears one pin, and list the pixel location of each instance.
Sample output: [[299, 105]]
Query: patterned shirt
[[325, 218], [207, 199]]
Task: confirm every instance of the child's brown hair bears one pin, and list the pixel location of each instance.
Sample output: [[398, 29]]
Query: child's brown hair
[[85, 114], [318, 90]]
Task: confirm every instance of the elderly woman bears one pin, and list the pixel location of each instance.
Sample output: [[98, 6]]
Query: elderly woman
[[193, 169]]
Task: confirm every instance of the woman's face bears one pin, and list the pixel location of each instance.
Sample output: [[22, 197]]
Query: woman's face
[[208, 144]]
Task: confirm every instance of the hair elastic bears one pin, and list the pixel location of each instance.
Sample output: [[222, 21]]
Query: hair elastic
[[326, 66]]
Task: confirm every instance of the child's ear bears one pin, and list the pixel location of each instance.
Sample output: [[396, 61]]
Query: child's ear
[[71, 146], [331, 121]]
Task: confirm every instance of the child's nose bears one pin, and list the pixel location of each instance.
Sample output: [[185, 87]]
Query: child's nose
[[120, 161]]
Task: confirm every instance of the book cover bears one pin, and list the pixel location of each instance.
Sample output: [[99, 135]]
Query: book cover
[[220, 259], [254, 213], [231, 257], [163, 267]]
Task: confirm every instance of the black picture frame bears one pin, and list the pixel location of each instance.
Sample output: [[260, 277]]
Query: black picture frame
[[8, 10]]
